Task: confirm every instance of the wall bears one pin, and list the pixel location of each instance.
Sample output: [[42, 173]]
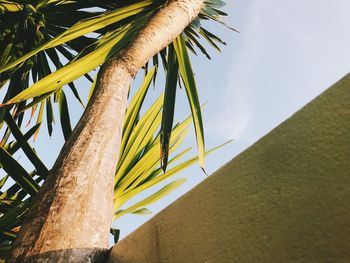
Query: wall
[[285, 199]]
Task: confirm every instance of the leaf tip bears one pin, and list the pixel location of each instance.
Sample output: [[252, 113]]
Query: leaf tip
[[204, 171], [164, 152]]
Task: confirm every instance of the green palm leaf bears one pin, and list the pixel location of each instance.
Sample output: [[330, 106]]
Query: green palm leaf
[[18, 173], [151, 199], [10, 6], [169, 105], [41, 168], [84, 27], [47, 44], [187, 76]]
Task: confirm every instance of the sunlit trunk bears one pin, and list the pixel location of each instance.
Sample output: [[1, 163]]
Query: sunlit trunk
[[71, 216]]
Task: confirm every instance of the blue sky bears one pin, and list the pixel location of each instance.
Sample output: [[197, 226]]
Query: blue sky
[[287, 53]]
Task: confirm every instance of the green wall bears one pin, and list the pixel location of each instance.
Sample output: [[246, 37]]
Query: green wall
[[285, 199]]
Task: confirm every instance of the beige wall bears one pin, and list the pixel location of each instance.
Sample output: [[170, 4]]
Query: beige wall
[[285, 199]]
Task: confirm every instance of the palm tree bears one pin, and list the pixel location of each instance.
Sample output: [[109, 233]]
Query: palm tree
[[63, 223]]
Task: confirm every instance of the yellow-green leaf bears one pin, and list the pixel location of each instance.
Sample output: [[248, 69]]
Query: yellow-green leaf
[[187, 76], [153, 198]]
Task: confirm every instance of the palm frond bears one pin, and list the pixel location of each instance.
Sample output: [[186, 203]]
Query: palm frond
[[46, 45], [35, 40], [138, 168]]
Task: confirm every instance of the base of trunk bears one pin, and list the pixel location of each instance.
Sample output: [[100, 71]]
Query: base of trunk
[[76, 255]]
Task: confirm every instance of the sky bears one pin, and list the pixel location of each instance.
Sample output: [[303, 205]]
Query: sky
[[287, 53]]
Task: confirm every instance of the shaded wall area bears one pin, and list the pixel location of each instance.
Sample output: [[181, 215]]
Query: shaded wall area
[[285, 199]]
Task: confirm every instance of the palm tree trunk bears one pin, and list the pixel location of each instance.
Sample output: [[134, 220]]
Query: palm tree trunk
[[71, 216]]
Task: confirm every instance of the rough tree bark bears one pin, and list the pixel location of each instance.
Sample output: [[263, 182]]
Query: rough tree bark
[[71, 215]]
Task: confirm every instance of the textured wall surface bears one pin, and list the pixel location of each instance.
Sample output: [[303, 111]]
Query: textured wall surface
[[285, 199]]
